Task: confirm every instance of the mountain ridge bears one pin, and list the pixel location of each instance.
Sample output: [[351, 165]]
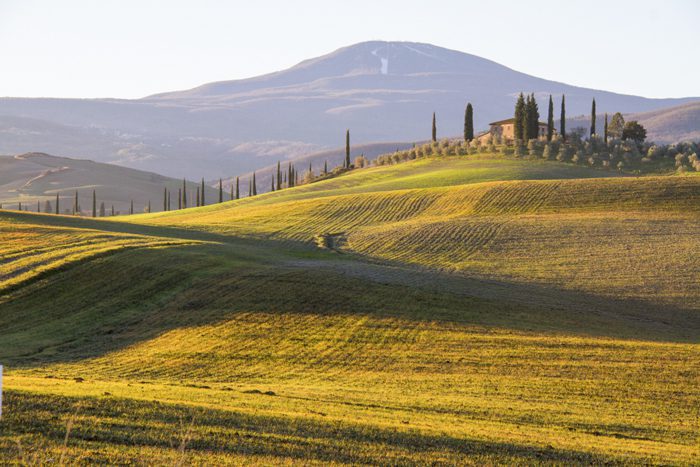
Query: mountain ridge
[[382, 91]]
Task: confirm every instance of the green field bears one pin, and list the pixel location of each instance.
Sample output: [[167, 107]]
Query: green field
[[462, 310]]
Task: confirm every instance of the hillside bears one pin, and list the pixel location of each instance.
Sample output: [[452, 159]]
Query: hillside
[[36, 177], [477, 309], [667, 125], [382, 91], [679, 123]]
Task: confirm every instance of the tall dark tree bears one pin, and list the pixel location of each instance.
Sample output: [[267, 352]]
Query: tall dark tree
[[347, 149], [255, 186], [94, 204], [434, 132], [605, 129], [149, 206], [112, 210], [532, 117], [550, 119], [238, 193], [184, 194], [202, 190], [250, 187], [231, 195], [58, 209], [279, 176], [520, 118], [593, 118], [76, 206], [165, 199], [131, 209], [272, 187], [469, 123], [221, 191], [562, 118], [38, 206], [198, 198], [325, 167]]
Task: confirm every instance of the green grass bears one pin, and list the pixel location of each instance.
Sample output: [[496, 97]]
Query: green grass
[[465, 321]]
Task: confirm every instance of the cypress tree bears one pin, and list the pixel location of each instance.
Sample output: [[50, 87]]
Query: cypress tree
[[325, 167], [231, 192], [347, 149], [58, 209], [184, 194], [202, 190], [131, 209], [76, 208], [221, 191], [165, 199], [593, 118], [519, 118], [38, 206], [255, 186], [562, 122], [198, 199], [529, 113], [533, 118], [272, 188], [149, 205], [20, 206], [238, 194], [605, 129], [112, 210], [550, 119], [94, 204], [279, 176], [434, 133], [469, 123], [250, 187]]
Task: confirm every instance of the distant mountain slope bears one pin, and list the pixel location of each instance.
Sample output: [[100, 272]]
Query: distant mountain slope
[[382, 91], [680, 123], [36, 177], [667, 125]]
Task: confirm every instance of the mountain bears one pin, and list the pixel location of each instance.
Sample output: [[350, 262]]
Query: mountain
[[680, 123], [382, 91], [667, 125], [37, 177]]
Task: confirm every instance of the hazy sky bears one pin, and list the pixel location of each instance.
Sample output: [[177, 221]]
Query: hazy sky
[[82, 48]]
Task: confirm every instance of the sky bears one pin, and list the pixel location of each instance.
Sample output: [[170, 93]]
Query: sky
[[130, 49]]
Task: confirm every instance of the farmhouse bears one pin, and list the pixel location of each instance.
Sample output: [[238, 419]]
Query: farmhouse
[[506, 129]]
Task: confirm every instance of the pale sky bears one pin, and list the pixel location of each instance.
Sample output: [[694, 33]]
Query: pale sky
[[133, 48]]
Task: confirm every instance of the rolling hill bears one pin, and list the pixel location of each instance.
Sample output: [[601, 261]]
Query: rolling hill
[[480, 309], [382, 91], [36, 177]]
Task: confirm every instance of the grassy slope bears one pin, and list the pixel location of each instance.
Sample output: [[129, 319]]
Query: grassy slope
[[368, 364]]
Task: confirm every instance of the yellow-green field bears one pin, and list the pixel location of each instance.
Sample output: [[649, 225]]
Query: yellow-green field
[[463, 311]]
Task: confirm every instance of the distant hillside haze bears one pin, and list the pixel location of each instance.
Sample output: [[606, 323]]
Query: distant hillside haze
[[32, 177], [381, 91]]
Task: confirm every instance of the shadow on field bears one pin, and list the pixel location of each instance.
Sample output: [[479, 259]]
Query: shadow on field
[[109, 303], [117, 430]]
